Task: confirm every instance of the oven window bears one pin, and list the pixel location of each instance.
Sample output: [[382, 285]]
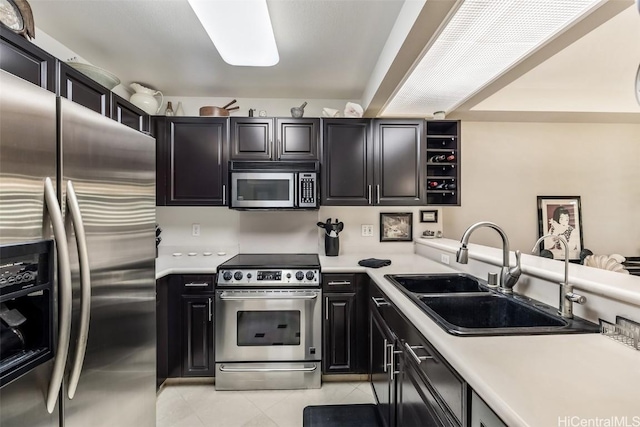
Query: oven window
[[263, 189], [267, 328]]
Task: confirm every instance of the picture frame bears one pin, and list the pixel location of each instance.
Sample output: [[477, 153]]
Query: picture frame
[[396, 226], [561, 215], [429, 216]]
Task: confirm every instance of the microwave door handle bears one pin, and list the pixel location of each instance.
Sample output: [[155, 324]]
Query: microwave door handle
[[85, 289], [296, 183], [53, 214]]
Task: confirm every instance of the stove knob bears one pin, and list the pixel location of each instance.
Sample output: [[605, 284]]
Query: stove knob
[[288, 275], [299, 275], [237, 275], [227, 276], [310, 275], [248, 275]]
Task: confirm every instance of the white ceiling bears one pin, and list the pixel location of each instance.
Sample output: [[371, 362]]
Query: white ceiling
[[330, 48], [327, 47]]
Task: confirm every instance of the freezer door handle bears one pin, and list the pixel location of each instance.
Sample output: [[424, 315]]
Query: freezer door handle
[[85, 288], [53, 214]]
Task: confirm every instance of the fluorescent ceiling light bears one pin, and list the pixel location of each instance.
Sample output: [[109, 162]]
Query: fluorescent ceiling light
[[482, 40], [240, 29]]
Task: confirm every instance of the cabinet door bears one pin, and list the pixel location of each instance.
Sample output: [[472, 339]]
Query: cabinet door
[[251, 138], [482, 415], [197, 164], [339, 329], [297, 139], [128, 114], [197, 336], [347, 159], [399, 153], [80, 89], [381, 351], [415, 400], [24, 59]]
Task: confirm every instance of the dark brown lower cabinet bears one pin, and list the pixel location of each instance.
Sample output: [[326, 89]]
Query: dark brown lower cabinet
[[197, 336], [345, 340], [339, 330], [162, 330]]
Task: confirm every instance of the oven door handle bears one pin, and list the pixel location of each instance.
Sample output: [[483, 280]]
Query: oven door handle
[[231, 297], [224, 368]]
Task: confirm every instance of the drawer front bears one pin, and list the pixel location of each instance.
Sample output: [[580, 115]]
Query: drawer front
[[197, 284], [448, 386], [339, 283]]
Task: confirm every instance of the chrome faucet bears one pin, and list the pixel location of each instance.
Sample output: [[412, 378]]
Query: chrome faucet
[[567, 296], [508, 276]]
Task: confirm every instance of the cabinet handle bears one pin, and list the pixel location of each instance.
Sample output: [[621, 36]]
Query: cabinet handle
[[224, 194], [326, 308], [369, 195], [384, 359], [340, 283], [379, 302], [210, 310], [392, 365], [378, 193], [196, 285], [413, 354]]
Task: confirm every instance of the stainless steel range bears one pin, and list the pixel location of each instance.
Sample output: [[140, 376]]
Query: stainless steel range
[[268, 322]]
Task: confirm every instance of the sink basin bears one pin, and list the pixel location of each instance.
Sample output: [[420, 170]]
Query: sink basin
[[490, 311], [462, 305], [426, 284]]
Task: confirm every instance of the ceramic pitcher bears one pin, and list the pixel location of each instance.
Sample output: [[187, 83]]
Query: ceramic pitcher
[[144, 98]]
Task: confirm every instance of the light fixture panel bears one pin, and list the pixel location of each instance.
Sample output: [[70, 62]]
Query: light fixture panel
[[482, 40], [240, 30]]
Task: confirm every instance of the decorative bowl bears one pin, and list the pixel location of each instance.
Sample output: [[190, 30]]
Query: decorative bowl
[[96, 74]]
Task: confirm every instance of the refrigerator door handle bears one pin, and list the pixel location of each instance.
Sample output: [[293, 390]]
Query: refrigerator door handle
[[53, 214], [85, 289]]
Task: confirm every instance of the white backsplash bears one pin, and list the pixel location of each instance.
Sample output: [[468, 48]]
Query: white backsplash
[[227, 230]]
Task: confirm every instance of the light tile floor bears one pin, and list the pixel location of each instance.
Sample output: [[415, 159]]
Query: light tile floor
[[200, 405]]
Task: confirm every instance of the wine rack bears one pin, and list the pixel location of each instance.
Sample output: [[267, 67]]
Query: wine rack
[[443, 162]]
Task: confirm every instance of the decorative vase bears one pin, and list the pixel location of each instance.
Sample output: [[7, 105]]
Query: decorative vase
[[144, 98], [169, 110], [179, 110]]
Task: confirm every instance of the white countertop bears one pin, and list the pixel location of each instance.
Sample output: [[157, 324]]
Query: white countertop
[[533, 381], [184, 264], [526, 380]]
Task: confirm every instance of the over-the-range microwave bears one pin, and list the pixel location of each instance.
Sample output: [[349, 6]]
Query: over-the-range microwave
[[274, 185]]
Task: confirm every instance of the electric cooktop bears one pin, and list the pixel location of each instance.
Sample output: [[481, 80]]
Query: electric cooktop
[[289, 261]]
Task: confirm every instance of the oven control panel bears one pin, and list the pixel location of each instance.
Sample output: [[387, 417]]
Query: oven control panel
[[270, 277]]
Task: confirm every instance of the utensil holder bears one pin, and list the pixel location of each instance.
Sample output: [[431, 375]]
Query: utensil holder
[[624, 330], [331, 245]]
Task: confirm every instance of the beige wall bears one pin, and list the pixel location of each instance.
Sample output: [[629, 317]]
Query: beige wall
[[505, 166]]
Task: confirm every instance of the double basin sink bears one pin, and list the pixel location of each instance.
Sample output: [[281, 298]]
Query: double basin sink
[[463, 305]]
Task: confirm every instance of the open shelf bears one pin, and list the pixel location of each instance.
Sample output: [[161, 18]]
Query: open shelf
[[443, 138]]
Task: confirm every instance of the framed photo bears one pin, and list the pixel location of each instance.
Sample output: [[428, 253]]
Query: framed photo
[[396, 226], [428, 216], [560, 216]]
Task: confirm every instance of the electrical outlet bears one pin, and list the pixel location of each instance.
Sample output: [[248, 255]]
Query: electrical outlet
[[444, 258], [195, 229], [367, 230]]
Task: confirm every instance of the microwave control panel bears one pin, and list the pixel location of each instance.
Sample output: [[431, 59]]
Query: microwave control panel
[[307, 190]]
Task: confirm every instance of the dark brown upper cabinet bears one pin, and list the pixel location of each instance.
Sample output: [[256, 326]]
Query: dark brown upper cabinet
[[128, 114], [347, 162], [192, 161], [24, 59], [399, 159], [373, 162], [256, 138], [80, 89]]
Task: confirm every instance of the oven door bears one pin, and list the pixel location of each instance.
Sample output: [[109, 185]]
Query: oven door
[[263, 190], [268, 325]]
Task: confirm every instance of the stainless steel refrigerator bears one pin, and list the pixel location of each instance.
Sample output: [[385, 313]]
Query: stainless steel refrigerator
[[104, 298]]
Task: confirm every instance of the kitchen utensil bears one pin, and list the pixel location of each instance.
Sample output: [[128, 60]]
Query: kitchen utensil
[[297, 112], [226, 107]]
